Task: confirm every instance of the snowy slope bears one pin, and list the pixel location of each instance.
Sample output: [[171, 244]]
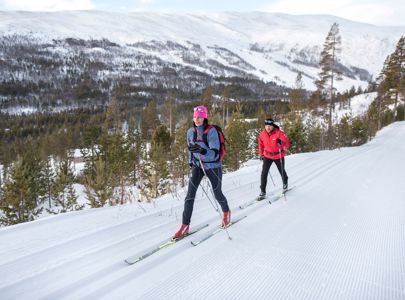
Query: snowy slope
[[358, 106], [338, 235], [270, 46]]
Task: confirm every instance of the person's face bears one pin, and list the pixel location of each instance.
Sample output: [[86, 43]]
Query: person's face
[[268, 128], [198, 121]]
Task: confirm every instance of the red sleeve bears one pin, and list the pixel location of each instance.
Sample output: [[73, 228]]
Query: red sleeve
[[261, 145], [284, 139]]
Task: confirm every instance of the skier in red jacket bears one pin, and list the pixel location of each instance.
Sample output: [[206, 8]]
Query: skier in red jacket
[[272, 142]]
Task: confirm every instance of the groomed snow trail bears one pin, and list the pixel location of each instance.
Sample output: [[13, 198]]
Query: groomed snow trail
[[339, 234]]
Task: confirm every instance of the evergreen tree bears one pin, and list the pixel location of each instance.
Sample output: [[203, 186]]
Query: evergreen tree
[[49, 177], [225, 105], [372, 119], [296, 132], [315, 136], [97, 188], [146, 183], [207, 96], [359, 131], [261, 116], [345, 134], [112, 122], [179, 167], [149, 120], [391, 78], [90, 150], [297, 94], [329, 72], [159, 156], [116, 151], [214, 115], [237, 141], [63, 193], [168, 113], [135, 142], [22, 191]]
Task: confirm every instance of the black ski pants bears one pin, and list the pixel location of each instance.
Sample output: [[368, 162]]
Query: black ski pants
[[265, 171], [197, 174]]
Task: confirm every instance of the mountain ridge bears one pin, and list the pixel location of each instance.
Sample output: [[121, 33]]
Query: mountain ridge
[[269, 47]]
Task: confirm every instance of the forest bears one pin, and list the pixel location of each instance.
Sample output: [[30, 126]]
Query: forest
[[130, 139]]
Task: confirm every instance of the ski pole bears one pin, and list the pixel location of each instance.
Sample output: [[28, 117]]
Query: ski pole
[[206, 194], [282, 171], [271, 177]]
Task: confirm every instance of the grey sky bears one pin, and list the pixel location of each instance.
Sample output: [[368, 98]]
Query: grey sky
[[379, 12]]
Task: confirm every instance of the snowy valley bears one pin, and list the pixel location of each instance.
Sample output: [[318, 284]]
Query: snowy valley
[[71, 58]]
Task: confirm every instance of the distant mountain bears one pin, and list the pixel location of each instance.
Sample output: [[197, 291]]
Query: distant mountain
[[185, 52]]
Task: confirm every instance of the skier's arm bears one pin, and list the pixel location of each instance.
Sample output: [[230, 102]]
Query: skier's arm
[[261, 145], [214, 145], [285, 142]]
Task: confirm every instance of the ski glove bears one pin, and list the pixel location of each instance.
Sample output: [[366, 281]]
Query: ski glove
[[197, 149], [279, 142]]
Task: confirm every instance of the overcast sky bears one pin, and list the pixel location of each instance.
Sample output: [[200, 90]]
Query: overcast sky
[[379, 12]]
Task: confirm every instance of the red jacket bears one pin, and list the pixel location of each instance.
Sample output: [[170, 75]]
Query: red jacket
[[268, 146]]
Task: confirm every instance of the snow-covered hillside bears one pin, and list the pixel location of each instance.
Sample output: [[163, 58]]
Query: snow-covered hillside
[[339, 234], [357, 106], [268, 46]]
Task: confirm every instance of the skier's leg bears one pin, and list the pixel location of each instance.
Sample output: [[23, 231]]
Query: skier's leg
[[215, 177], [265, 171], [196, 176], [280, 163]]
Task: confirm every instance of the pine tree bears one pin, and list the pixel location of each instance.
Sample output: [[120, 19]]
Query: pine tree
[[315, 136], [225, 106], [345, 133], [237, 141], [168, 113], [359, 131], [179, 167], [63, 193], [91, 150], [112, 122], [135, 143], [120, 160], [146, 183], [207, 96], [159, 156], [22, 191], [149, 120], [49, 177], [297, 94], [390, 87], [97, 188], [255, 132], [296, 132], [329, 63]]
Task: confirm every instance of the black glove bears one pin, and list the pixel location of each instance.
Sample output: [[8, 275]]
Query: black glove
[[279, 142], [197, 149], [191, 165], [261, 157]]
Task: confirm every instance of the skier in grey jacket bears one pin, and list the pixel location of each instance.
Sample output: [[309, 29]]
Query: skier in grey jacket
[[204, 159]]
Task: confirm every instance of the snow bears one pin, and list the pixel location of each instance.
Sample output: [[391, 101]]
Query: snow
[[339, 234], [358, 106]]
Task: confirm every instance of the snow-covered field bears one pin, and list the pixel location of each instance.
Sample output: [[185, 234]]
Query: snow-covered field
[[339, 234]]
